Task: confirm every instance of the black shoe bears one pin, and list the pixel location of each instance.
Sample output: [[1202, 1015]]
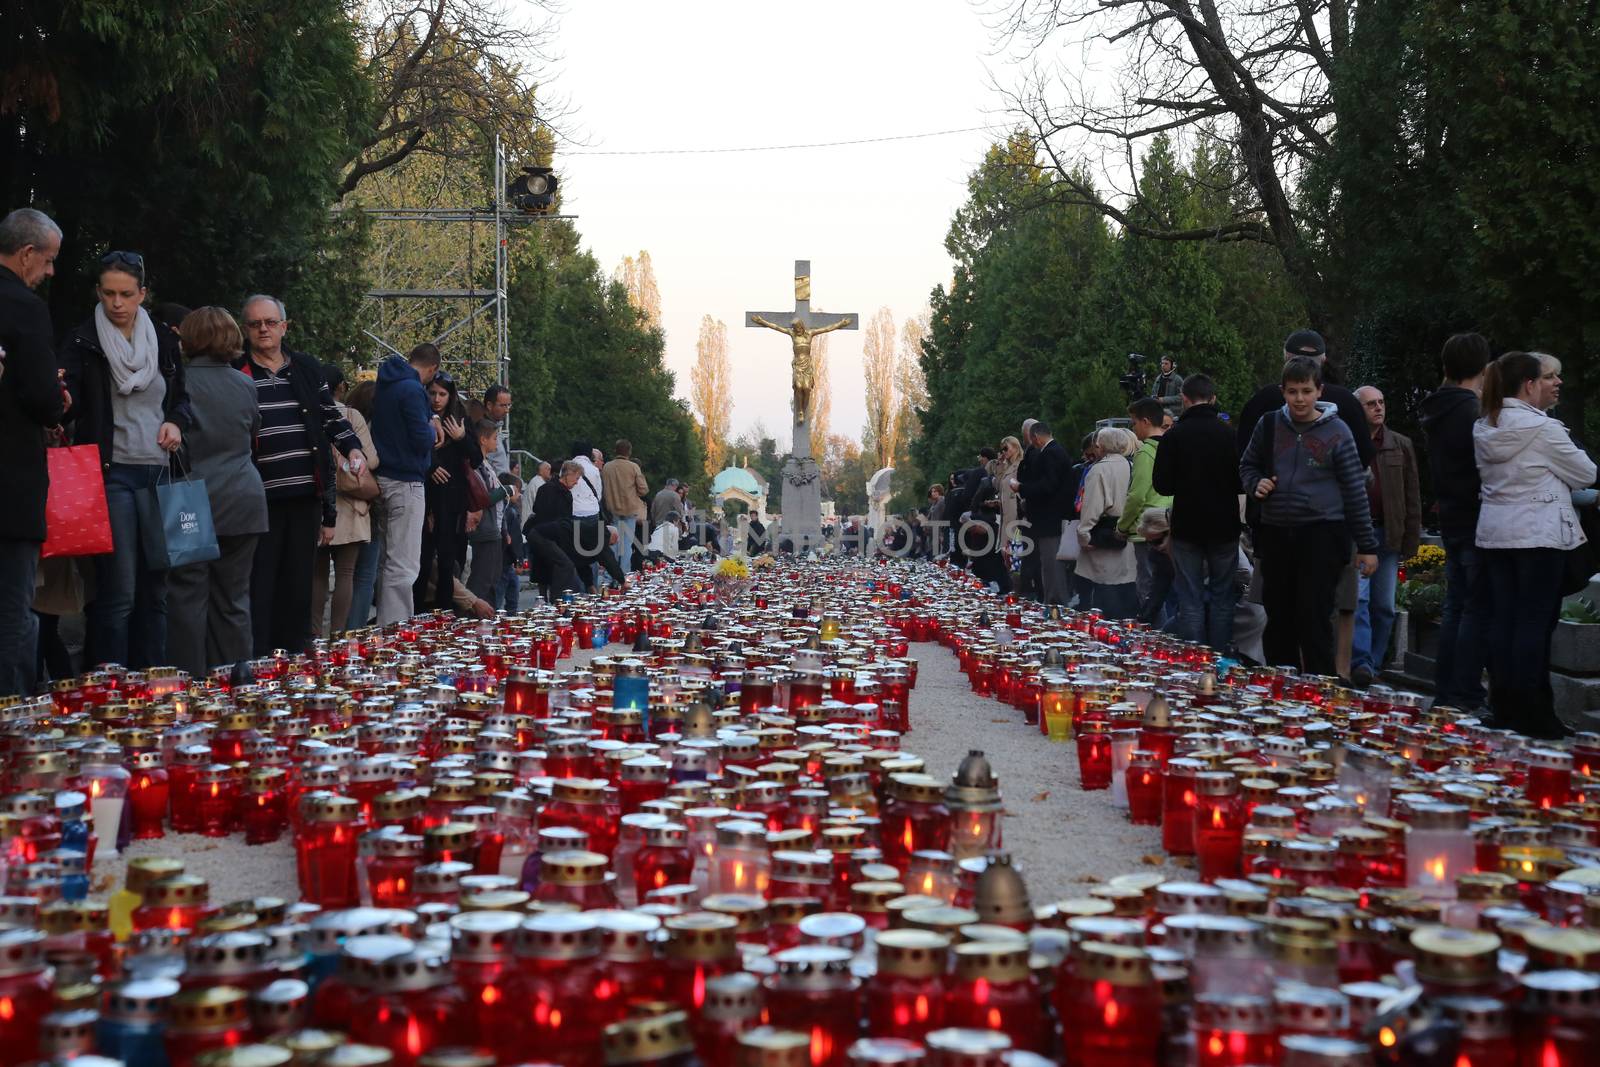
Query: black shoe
[[1361, 677]]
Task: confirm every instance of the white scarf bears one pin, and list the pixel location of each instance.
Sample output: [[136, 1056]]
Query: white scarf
[[134, 364]]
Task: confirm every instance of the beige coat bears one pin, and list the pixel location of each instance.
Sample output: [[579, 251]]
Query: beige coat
[[1003, 473], [624, 489], [1104, 491], [354, 522]]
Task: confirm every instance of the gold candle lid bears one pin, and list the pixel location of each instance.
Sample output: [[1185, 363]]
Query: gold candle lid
[[1003, 960], [912, 953], [701, 935], [1120, 965], [572, 867], [767, 1046], [245, 1056], [215, 1008], [1449, 955], [147, 869], [647, 1039]]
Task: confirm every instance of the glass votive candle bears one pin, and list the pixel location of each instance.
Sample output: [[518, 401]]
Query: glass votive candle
[[1439, 848], [1233, 1031]]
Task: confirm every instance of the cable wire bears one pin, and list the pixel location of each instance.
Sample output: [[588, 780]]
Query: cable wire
[[775, 147]]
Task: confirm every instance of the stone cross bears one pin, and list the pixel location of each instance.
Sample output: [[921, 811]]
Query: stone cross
[[801, 325]]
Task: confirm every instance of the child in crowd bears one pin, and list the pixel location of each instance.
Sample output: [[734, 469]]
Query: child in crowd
[[1302, 464]]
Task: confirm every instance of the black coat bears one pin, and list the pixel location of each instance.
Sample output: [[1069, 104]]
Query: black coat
[[1447, 417], [30, 401], [1048, 488], [1269, 398], [89, 380], [1197, 467]]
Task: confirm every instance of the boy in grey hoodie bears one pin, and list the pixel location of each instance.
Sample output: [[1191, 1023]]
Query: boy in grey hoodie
[[1302, 464]]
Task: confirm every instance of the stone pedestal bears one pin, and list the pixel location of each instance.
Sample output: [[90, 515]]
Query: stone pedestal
[[802, 504]]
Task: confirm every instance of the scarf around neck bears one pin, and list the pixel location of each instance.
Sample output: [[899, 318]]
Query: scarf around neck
[[134, 363]]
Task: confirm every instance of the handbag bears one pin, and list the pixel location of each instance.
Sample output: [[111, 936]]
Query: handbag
[[1103, 534], [77, 522], [357, 485], [477, 492], [185, 533], [1068, 547]]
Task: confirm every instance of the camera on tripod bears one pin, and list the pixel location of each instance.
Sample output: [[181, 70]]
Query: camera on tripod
[[1133, 382]]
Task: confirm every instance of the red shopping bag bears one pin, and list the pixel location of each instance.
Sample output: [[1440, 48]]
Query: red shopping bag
[[75, 517]]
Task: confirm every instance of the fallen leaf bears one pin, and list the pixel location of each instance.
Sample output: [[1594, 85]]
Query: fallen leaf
[[1041, 796], [1150, 859], [999, 720], [1094, 878]]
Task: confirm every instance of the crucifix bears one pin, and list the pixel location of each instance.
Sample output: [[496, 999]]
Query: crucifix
[[802, 325]]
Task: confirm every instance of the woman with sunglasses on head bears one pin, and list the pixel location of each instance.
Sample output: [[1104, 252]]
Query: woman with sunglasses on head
[[129, 399], [444, 531]]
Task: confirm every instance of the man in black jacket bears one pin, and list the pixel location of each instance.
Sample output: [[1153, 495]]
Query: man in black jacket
[[1197, 467], [30, 401], [1047, 489], [1447, 417]]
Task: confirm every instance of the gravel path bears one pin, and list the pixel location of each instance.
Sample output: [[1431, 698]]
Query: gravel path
[[1063, 839]]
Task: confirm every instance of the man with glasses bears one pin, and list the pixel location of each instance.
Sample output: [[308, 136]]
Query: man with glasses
[[300, 429], [31, 399]]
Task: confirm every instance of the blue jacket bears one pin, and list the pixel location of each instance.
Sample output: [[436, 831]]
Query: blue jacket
[[402, 428], [1318, 472]]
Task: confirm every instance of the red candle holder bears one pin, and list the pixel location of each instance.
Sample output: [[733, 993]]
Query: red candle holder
[[148, 796], [1094, 754], [388, 868], [905, 996], [1218, 824], [575, 877], [203, 1020], [700, 946], [175, 903], [915, 818], [991, 988], [664, 860], [1177, 816], [1549, 777], [1110, 1007], [1144, 784], [26, 992], [327, 851], [814, 993], [1233, 1030]]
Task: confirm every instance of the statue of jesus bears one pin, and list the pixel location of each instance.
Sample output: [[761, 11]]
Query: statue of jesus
[[802, 369]]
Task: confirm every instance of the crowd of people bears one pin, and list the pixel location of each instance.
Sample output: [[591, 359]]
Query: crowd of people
[[1277, 535], [333, 503]]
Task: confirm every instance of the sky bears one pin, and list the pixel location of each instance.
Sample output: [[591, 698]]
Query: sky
[[724, 230]]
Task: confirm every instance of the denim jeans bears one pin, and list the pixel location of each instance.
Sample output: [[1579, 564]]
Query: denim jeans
[[508, 591], [127, 621], [1375, 612], [19, 626], [627, 529], [1206, 581], [366, 581], [1463, 625]]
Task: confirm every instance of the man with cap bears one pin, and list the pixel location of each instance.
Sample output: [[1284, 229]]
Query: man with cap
[[1269, 398]]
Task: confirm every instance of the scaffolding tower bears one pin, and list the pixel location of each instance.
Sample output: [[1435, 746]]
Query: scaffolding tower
[[500, 217]]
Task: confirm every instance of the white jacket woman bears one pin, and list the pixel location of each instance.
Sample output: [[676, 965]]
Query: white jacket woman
[[1529, 467], [1105, 488]]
